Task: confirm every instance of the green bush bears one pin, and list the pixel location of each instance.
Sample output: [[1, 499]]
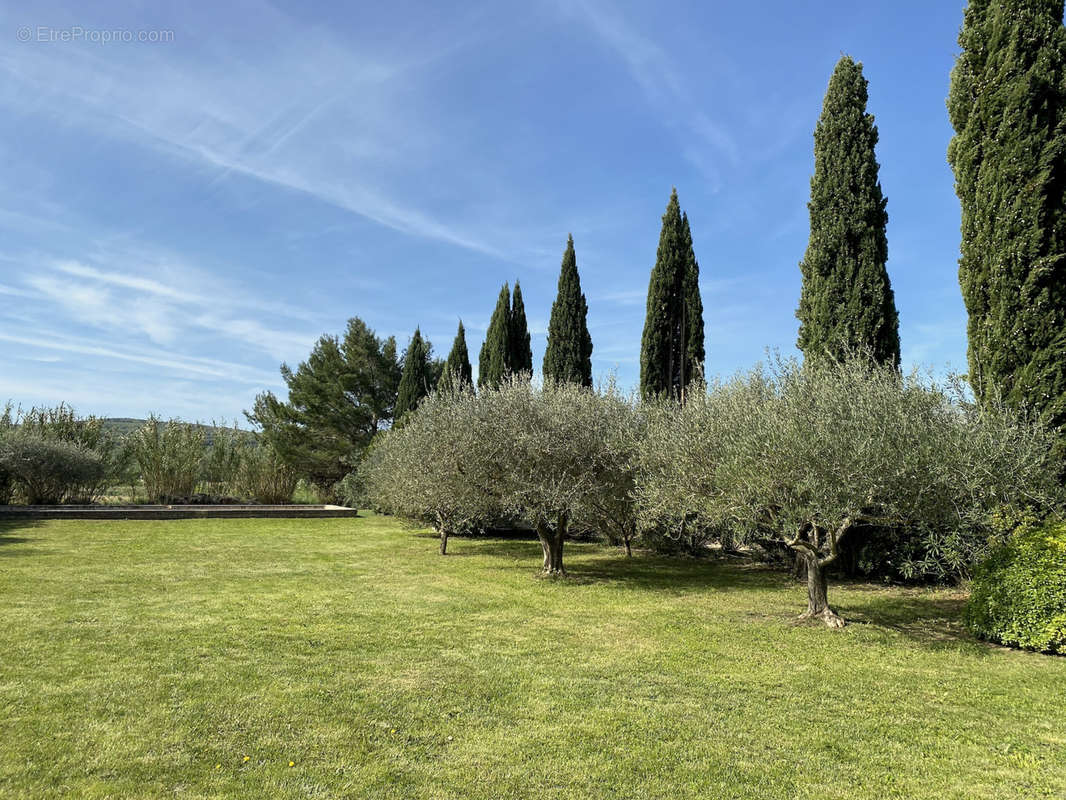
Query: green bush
[[227, 448], [47, 472], [62, 424], [1018, 594], [168, 455], [264, 477]]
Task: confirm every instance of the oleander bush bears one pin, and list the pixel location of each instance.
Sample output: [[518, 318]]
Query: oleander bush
[[1018, 593], [7, 485], [169, 456], [263, 476], [220, 468], [62, 424]]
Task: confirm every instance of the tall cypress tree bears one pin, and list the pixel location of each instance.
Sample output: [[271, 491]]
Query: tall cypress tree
[[521, 354], [494, 362], [568, 357], [1008, 107], [847, 304], [457, 372], [672, 347], [691, 311], [416, 380]]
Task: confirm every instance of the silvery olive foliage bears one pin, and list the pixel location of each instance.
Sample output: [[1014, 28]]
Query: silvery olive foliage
[[55, 455], [51, 471], [805, 455], [551, 456], [421, 470]]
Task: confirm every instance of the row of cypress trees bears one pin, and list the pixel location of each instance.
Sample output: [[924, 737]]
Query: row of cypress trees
[[1008, 107], [672, 346]]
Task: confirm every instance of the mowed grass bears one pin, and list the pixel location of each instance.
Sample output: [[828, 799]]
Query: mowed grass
[[199, 658]]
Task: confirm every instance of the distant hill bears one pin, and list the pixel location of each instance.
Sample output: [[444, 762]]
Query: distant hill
[[123, 426]]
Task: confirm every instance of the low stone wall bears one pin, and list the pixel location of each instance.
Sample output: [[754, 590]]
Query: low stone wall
[[175, 512]]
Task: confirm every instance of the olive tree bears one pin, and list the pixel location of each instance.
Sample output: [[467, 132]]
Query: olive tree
[[609, 508], [552, 454], [427, 469], [805, 456], [547, 456]]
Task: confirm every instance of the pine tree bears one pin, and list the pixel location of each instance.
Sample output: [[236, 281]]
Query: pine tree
[[521, 354], [338, 399], [846, 303], [494, 362], [416, 380], [457, 372], [568, 356], [672, 347], [1008, 107]]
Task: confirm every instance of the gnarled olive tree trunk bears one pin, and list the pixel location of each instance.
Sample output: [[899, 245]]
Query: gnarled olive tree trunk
[[807, 544], [551, 543], [442, 529]]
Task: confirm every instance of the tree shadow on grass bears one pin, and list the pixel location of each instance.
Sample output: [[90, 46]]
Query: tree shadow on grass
[[922, 615], [8, 535], [592, 563]]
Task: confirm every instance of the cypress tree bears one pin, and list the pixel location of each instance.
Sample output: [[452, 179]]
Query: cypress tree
[[416, 379], [1008, 107], [847, 304], [494, 362], [521, 354], [691, 311], [672, 347], [457, 372], [568, 357]]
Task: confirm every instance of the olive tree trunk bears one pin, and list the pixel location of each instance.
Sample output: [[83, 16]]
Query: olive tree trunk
[[442, 529], [551, 543], [817, 591]]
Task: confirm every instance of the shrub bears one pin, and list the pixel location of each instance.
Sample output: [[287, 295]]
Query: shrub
[[1018, 593], [222, 462], [264, 477], [169, 456], [50, 472], [61, 423], [6, 482]]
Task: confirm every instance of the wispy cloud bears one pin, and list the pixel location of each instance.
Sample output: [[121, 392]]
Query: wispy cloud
[[159, 359], [133, 304], [707, 142], [309, 114]]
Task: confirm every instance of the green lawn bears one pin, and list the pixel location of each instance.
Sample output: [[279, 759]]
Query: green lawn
[[199, 658]]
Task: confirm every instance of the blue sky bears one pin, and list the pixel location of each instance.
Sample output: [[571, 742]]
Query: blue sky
[[177, 218]]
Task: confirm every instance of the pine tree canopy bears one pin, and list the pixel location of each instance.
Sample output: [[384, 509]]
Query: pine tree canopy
[[457, 372], [847, 304], [337, 400], [417, 379], [521, 354], [1008, 107], [568, 356], [494, 361], [672, 347]]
